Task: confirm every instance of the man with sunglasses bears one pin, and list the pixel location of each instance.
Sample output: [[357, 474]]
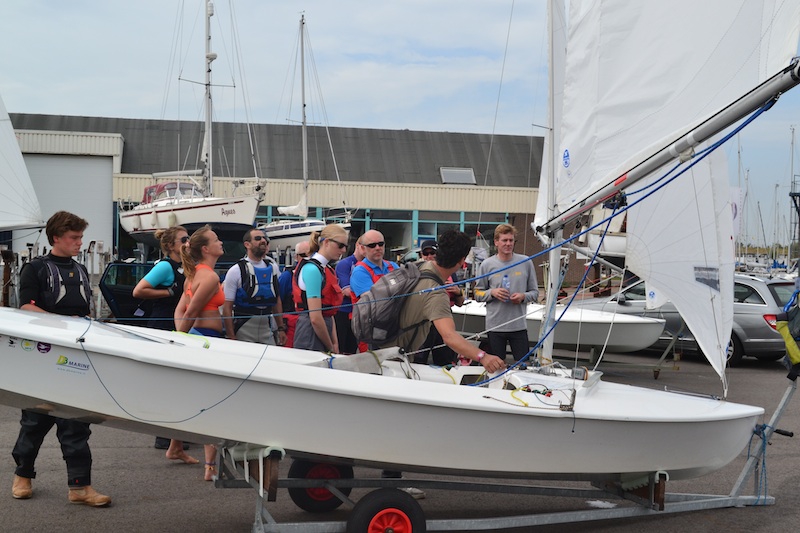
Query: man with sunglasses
[[373, 266], [251, 294]]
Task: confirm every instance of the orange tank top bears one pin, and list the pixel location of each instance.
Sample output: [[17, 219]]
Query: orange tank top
[[217, 300]]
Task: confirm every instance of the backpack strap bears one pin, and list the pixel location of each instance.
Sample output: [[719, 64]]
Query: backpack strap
[[415, 327]]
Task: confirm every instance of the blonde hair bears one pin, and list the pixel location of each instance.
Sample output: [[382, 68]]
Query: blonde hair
[[193, 254], [166, 237], [502, 229], [328, 232]]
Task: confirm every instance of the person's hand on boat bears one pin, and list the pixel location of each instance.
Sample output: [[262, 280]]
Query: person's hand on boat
[[492, 363]]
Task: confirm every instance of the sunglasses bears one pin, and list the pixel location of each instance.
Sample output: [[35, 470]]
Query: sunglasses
[[184, 239], [374, 244], [258, 238], [302, 255], [428, 252], [339, 244]]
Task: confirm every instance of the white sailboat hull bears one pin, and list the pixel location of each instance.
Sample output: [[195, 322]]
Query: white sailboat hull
[[170, 384], [286, 234], [579, 327], [235, 214]]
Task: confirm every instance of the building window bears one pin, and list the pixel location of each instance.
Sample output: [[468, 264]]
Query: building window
[[457, 176]]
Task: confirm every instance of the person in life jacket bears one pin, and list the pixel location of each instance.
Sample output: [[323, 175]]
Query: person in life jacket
[[316, 290], [370, 269], [287, 296], [251, 295], [164, 283], [163, 286], [55, 283]]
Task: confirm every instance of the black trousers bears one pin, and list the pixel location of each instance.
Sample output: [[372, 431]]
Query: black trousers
[[73, 436], [517, 339], [434, 345], [348, 344]]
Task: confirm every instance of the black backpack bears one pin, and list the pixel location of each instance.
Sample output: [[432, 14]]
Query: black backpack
[[376, 315]]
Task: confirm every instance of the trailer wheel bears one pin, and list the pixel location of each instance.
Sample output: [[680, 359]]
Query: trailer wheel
[[385, 510], [318, 499]]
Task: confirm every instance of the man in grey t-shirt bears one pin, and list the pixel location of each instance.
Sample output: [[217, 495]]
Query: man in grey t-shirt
[[506, 306]]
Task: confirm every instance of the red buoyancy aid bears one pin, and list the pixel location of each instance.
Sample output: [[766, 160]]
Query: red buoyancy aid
[[331, 292]]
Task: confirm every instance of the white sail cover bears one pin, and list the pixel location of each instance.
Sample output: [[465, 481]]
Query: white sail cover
[[19, 207], [637, 75]]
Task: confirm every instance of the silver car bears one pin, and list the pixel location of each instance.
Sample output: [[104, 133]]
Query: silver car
[[757, 302]]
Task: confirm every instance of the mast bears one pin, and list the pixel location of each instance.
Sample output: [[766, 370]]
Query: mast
[[208, 151], [554, 255], [303, 91]]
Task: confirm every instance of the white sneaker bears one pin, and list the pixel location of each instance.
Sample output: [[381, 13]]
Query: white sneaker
[[417, 494]]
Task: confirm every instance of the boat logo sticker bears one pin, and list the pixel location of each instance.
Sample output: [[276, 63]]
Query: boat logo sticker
[[12, 342], [27, 345], [565, 159], [71, 366], [43, 347]]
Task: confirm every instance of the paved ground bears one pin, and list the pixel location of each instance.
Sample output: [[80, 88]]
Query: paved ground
[[152, 494]]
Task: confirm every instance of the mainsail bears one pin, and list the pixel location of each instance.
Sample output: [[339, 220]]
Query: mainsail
[[20, 207], [638, 77]]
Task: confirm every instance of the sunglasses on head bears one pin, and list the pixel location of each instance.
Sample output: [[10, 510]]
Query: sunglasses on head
[[258, 238], [339, 244], [184, 239], [374, 244]]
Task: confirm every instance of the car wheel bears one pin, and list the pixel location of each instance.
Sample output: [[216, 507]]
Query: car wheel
[[735, 352]]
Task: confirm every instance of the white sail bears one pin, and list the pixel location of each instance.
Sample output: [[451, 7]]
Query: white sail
[[20, 206], [639, 75]]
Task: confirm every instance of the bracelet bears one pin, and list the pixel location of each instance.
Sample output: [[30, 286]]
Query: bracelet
[[480, 356], [281, 328], [170, 291]]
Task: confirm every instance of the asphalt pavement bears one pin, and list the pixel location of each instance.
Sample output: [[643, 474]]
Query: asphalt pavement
[[151, 493]]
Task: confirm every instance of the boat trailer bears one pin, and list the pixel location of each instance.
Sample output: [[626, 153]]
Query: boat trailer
[[323, 487]]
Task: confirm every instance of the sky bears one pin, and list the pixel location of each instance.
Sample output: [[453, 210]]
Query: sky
[[474, 66]]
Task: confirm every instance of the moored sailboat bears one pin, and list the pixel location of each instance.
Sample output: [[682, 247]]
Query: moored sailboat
[[180, 200]]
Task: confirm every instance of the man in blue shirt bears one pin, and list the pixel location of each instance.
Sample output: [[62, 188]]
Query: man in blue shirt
[[348, 344], [373, 266]]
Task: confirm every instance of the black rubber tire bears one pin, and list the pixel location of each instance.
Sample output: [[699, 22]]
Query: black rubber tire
[[386, 510], [314, 499], [735, 352]]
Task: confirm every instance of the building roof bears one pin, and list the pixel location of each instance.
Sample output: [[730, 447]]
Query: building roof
[[362, 155]]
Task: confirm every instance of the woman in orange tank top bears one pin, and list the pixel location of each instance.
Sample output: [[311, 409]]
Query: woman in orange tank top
[[198, 309]]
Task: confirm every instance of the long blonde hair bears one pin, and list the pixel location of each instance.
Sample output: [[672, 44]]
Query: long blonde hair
[[193, 254]]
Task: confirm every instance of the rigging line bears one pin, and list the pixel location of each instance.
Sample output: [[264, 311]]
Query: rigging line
[[81, 340], [497, 106]]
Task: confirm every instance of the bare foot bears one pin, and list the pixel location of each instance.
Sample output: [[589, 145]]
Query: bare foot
[[181, 456], [211, 471]]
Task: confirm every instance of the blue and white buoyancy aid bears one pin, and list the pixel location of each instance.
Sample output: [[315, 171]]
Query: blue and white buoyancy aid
[[257, 288]]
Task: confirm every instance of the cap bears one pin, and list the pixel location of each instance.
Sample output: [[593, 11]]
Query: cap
[[430, 243]]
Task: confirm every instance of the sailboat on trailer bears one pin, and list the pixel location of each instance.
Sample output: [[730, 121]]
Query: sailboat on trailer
[[180, 200], [207, 389]]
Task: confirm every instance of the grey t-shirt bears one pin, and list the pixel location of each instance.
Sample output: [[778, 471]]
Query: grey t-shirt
[[506, 316]]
